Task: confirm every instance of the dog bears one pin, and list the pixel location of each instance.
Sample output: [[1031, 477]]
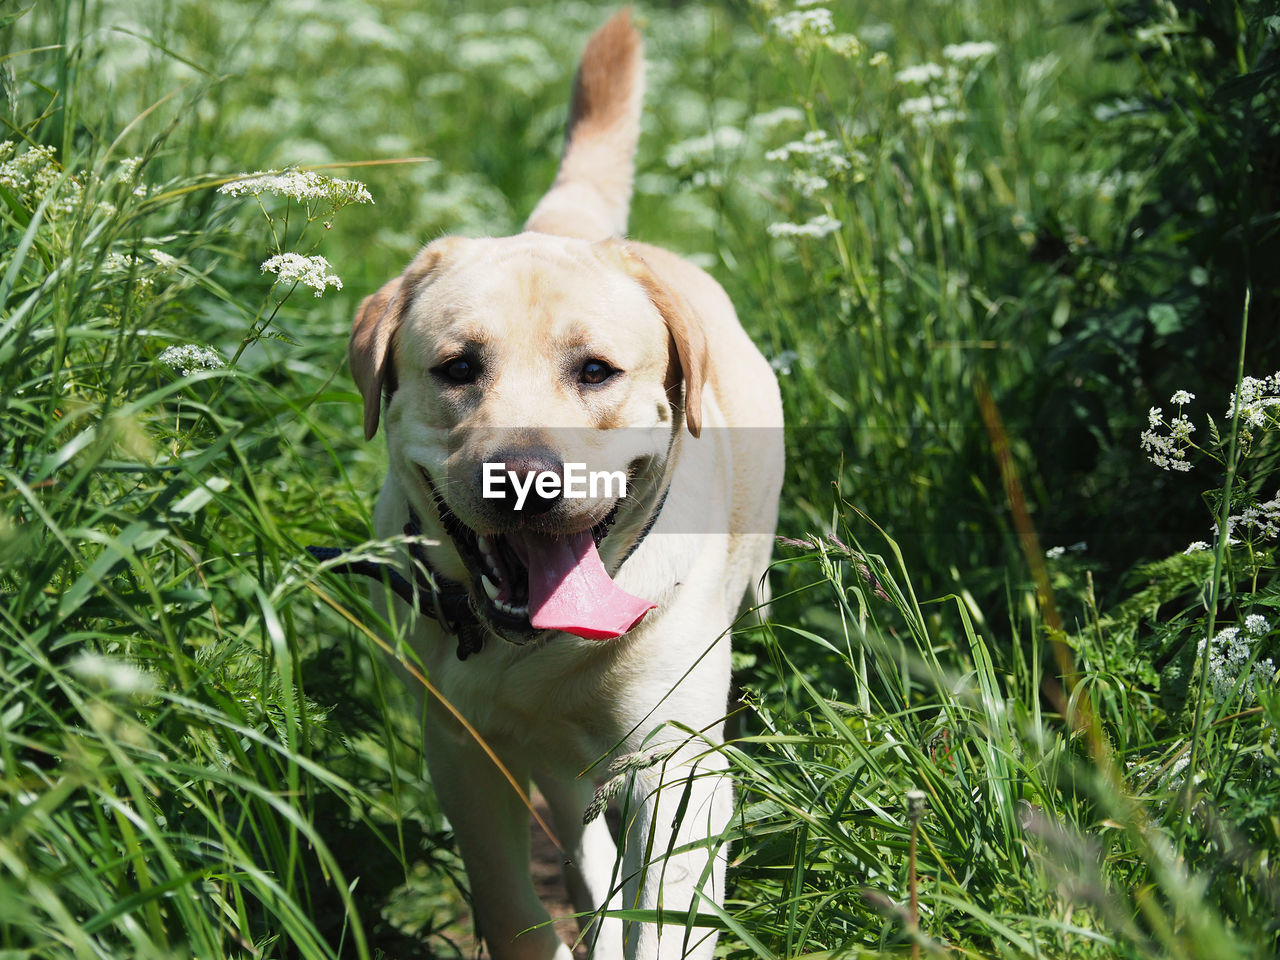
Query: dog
[[591, 627]]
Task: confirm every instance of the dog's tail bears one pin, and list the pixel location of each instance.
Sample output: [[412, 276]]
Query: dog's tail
[[592, 192]]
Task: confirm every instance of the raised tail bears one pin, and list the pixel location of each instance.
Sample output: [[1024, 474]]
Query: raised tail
[[592, 191]]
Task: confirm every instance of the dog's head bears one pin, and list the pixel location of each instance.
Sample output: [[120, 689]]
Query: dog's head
[[532, 389]]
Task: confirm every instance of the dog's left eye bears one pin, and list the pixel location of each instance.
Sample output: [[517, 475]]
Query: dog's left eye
[[458, 370], [595, 371]]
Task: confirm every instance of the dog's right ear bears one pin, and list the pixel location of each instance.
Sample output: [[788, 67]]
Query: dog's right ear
[[377, 322]]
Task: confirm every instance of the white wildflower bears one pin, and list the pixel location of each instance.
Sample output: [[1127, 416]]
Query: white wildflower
[[127, 172], [1195, 546], [1261, 519], [843, 45], [126, 264], [1257, 402], [301, 185], [1256, 624], [111, 673], [1053, 553], [1227, 661], [820, 150], [798, 25], [698, 151], [776, 117], [1181, 428], [35, 174], [968, 52], [28, 171], [309, 271], [1264, 673], [808, 184], [930, 111], [920, 74], [783, 361], [920, 106], [189, 359], [164, 261], [1182, 397], [1167, 451], [818, 227], [127, 168], [120, 262]]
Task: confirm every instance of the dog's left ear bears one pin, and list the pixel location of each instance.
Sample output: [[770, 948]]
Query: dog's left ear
[[371, 336], [687, 334], [377, 321]]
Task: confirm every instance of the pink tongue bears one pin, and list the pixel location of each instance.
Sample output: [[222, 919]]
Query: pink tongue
[[570, 591]]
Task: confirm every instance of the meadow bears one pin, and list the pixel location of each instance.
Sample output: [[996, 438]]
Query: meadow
[[1015, 262]]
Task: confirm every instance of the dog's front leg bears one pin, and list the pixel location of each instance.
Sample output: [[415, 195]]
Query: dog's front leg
[[591, 871], [678, 803], [491, 825]]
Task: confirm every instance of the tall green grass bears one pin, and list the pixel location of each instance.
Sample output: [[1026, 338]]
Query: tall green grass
[[201, 752]]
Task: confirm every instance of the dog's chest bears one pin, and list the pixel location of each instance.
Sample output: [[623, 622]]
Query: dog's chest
[[553, 702]]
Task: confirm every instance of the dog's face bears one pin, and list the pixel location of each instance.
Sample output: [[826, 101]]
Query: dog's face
[[508, 360]]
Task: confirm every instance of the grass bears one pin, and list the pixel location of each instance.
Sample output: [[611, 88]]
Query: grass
[[979, 722]]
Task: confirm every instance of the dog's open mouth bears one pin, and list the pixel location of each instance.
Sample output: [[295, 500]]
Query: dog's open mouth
[[544, 581]]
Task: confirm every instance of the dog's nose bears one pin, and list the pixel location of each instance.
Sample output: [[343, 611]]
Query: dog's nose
[[533, 480]]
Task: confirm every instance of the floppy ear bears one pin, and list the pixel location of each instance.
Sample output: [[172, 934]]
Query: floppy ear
[[377, 321], [687, 334], [371, 336]]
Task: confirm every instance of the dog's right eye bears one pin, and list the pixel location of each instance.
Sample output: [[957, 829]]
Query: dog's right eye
[[458, 370]]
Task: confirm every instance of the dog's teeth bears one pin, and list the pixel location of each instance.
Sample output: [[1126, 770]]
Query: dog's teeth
[[490, 589], [511, 609], [483, 543]]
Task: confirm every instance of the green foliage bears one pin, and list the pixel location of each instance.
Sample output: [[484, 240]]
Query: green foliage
[[1069, 206]]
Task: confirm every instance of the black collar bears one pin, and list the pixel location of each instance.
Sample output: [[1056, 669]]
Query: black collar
[[436, 596]]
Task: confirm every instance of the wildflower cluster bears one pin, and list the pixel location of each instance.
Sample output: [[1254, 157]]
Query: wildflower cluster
[[189, 359], [695, 158], [919, 75], [820, 226], [941, 105], [1256, 403], [930, 110], [811, 26], [1258, 400], [304, 186], [309, 271], [136, 271], [1166, 443], [127, 173], [816, 159], [1229, 655], [817, 150], [1256, 521], [113, 674], [969, 52], [796, 25], [35, 174]]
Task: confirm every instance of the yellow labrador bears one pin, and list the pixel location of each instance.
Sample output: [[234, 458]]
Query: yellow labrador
[[591, 449]]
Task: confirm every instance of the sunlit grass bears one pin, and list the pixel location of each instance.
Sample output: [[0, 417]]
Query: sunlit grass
[[202, 754]]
